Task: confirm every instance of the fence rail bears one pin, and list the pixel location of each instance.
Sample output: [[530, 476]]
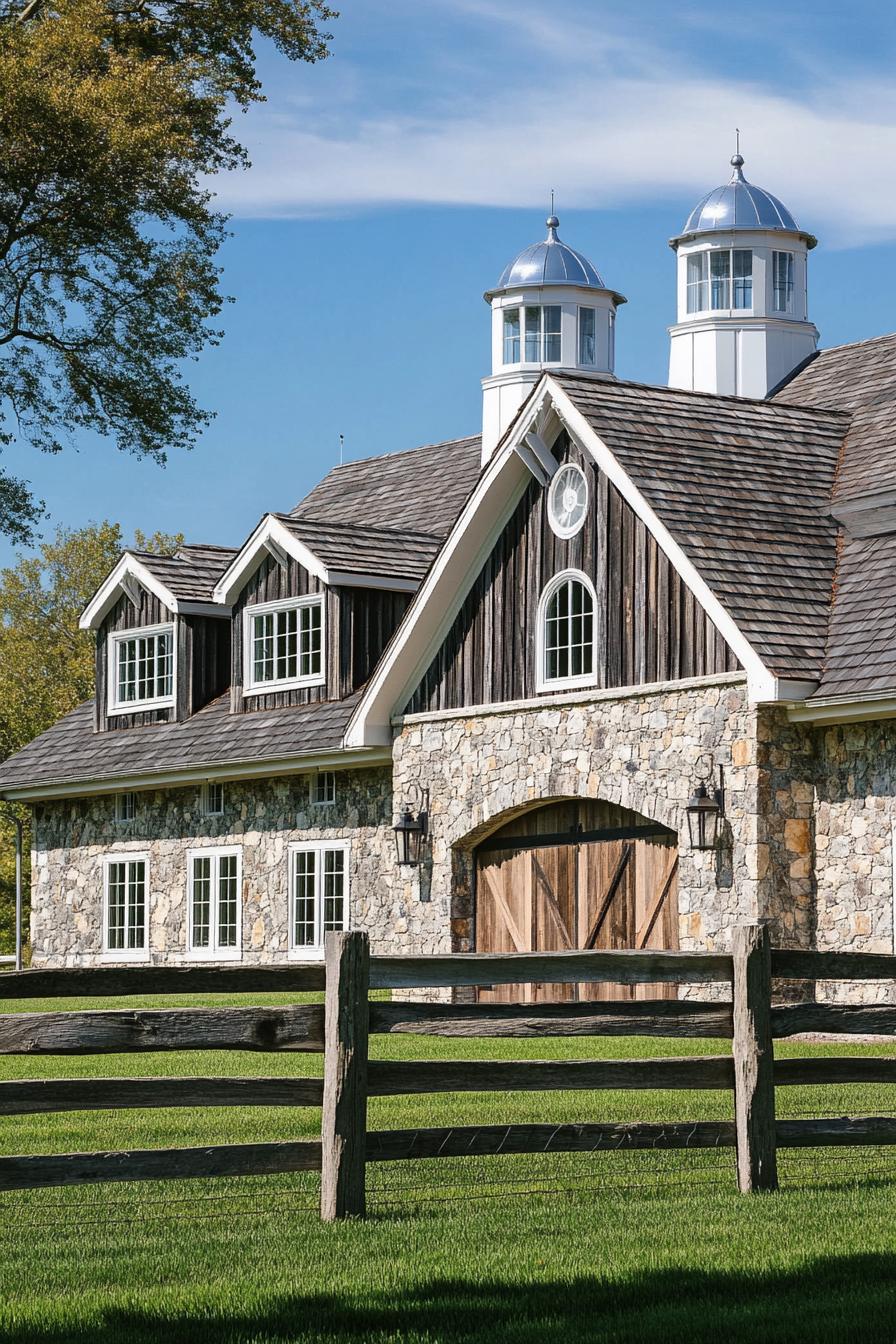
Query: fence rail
[[340, 1028]]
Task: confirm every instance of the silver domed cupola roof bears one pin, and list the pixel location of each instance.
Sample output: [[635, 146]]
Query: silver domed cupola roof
[[740, 205], [550, 262]]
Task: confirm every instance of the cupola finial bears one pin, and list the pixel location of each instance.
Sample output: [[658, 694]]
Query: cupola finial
[[737, 159], [552, 222]]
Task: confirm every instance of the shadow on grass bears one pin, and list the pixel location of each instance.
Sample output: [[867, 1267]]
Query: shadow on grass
[[828, 1301]]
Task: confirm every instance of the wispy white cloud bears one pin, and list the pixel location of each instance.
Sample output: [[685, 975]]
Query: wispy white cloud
[[631, 125]]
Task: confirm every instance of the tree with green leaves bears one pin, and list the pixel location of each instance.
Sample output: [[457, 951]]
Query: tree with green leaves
[[46, 662], [114, 114]]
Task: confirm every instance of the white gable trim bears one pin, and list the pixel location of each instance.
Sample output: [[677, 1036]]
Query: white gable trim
[[271, 537], [476, 531], [128, 572], [762, 683]]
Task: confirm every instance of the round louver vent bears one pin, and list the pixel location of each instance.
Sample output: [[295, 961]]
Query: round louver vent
[[568, 501]]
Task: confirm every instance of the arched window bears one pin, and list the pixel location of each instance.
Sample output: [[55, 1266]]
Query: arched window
[[566, 651]]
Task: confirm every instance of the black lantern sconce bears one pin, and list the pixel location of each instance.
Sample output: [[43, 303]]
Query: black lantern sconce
[[705, 810], [412, 832]]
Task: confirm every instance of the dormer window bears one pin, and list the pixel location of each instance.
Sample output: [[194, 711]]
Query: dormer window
[[283, 645], [141, 669], [720, 280]]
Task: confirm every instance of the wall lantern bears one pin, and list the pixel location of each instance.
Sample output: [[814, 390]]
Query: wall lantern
[[412, 832], [705, 810]]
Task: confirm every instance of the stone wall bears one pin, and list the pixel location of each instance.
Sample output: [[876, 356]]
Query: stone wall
[[263, 817], [642, 750]]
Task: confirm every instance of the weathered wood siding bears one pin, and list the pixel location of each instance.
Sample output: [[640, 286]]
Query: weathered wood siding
[[202, 665], [125, 615], [358, 623], [649, 625]]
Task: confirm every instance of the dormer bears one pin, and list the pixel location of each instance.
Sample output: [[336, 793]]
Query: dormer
[[314, 604], [162, 642]]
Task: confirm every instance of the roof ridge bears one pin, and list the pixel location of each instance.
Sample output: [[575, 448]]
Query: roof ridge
[[850, 345], [704, 396]]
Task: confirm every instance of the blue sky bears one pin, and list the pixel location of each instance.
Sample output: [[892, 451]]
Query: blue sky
[[391, 184]]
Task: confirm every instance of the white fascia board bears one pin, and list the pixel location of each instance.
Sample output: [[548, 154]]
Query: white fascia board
[[845, 708], [431, 613], [243, 565], [762, 683], [107, 594], [200, 774]]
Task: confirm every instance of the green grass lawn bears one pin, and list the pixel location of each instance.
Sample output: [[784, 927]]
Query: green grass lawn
[[646, 1247]]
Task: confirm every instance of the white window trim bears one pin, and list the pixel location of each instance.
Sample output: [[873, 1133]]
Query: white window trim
[[250, 687], [312, 789], [117, 637], [591, 363], [315, 952], [128, 954], [791, 294], [119, 819], [709, 252], [206, 810], [212, 952], [543, 683]]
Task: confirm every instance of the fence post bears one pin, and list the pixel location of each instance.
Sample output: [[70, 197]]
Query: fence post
[[344, 1119], [754, 1083]]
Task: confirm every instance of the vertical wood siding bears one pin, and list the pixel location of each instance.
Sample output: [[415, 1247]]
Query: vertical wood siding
[[203, 661], [358, 623], [649, 625]]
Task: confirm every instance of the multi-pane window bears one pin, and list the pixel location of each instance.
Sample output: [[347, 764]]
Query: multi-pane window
[[323, 788], [567, 631], [511, 335], [587, 344], [125, 807], [720, 280], [142, 669], [543, 334], [213, 798], [782, 275], [126, 905], [284, 644], [318, 894], [214, 896]]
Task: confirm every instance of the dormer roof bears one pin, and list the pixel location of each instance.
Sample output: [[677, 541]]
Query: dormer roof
[[184, 582]]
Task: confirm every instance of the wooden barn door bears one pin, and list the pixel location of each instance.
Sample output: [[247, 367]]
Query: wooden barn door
[[555, 890]]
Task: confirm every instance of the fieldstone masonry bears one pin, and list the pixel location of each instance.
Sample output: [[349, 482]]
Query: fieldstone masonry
[[807, 842]]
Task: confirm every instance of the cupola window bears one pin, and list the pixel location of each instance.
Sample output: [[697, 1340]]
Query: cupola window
[[587, 344], [783, 281], [511, 335], [566, 633], [543, 334], [720, 280]]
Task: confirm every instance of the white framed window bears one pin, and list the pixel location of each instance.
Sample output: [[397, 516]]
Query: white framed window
[[318, 895], [511, 335], [283, 645], [587, 337], [212, 798], [542, 334], [568, 501], [323, 788], [126, 907], [125, 807], [567, 655], [720, 280], [141, 669], [782, 280], [214, 905]]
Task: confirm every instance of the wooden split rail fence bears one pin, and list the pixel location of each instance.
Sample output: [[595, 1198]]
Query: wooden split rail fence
[[341, 1026]]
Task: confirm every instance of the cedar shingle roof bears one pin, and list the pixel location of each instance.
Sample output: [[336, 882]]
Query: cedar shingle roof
[[71, 751], [744, 487], [861, 649], [860, 379], [425, 489], [192, 572], [365, 550]]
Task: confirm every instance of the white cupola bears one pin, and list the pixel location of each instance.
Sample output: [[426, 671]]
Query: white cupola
[[550, 310], [743, 319]]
